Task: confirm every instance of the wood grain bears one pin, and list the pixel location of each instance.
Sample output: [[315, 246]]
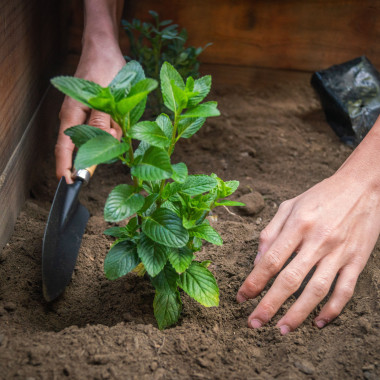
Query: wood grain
[[16, 178], [284, 34], [31, 47]]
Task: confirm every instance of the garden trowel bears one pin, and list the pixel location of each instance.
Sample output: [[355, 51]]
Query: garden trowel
[[63, 235]]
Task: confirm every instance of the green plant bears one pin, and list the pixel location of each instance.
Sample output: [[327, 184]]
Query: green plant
[[154, 43], [165, 208]]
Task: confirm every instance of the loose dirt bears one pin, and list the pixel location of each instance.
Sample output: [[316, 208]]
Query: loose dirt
[[274, 139]]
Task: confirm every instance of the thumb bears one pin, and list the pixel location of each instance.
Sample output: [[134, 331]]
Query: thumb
[[100, 120], [71, 114], [104, 121]]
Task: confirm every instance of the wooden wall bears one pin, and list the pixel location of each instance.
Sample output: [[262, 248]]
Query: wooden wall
[[31, 43], [287, 34]]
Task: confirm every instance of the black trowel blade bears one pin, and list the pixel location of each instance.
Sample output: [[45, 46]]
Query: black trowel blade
[[63, 235]]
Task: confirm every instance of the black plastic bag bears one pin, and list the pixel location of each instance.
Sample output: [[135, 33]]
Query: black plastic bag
[[350, 97]]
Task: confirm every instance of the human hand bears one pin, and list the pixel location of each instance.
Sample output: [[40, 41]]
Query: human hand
[[333, 226], [98, 63]]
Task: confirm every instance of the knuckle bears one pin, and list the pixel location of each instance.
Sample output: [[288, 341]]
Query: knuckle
[[264, 236], [305, 221], [250, 286], [284, 205], [320, 287], [266, 311], [271, 261], [291, 279], [346, 291], [99, 121], [332, 311]]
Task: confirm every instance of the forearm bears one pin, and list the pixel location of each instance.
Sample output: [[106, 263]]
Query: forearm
[[363, 164], [101, 22]]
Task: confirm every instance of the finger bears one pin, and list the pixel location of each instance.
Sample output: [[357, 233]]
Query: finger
[[102, 121], [344, 289], [116, 130], [72, 113], [315, 291], [270, 264], [287, 282], [272, 230]]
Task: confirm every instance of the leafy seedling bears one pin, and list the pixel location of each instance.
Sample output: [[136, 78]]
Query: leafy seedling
[[166, 208], [157, 42]]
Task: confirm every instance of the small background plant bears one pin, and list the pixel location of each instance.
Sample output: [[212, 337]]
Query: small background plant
[[164, 207], [154, 43]]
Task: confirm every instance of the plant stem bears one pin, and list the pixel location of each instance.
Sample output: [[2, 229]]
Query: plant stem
[[170, 150], [174, 134], [125, 129]]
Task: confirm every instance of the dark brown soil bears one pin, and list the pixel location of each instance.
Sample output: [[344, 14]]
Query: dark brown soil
[[275, 141]]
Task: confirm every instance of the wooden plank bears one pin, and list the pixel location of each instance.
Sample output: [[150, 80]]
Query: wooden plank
[[17, 176], [284, 34], [30, 49], [251, 77]]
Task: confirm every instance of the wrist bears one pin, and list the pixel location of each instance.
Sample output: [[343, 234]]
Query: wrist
[[101, 24], [362, 165]]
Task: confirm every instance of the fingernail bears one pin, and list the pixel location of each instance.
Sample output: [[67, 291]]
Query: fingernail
[[257, 258], [241, 297], [255, 323], [284, 329], [321, 323]]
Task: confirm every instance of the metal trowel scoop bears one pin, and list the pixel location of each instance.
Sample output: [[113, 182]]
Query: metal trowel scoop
[[63, 235]]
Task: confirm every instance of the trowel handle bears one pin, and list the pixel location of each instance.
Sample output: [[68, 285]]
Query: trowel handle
[[85, 174]]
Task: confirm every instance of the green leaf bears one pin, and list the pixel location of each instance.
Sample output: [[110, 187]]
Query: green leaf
[[168, 76], [179, 172], [164, 122], [152, 255], [206, 232], [171, 206], [170, 189], [230, 188], [80, 134], [180, 258], [141, 149], [198, 184], [187, 127], [137, 112], [149, 201], [196, 244], [150, 132], [79, 89], [167, 308], [103, 101], [202, 86], [206, 263], [165, 227], [122, 83], [138, 93], [98, 150], [166, 280], [154, 165], [189, 84], [199, 283], [228, 203], [180, 97], [121, 259], [207, 109], [122, 202], [117, 232]]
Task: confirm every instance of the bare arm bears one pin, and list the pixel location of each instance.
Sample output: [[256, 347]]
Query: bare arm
[[335, 226], [100, 61]]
